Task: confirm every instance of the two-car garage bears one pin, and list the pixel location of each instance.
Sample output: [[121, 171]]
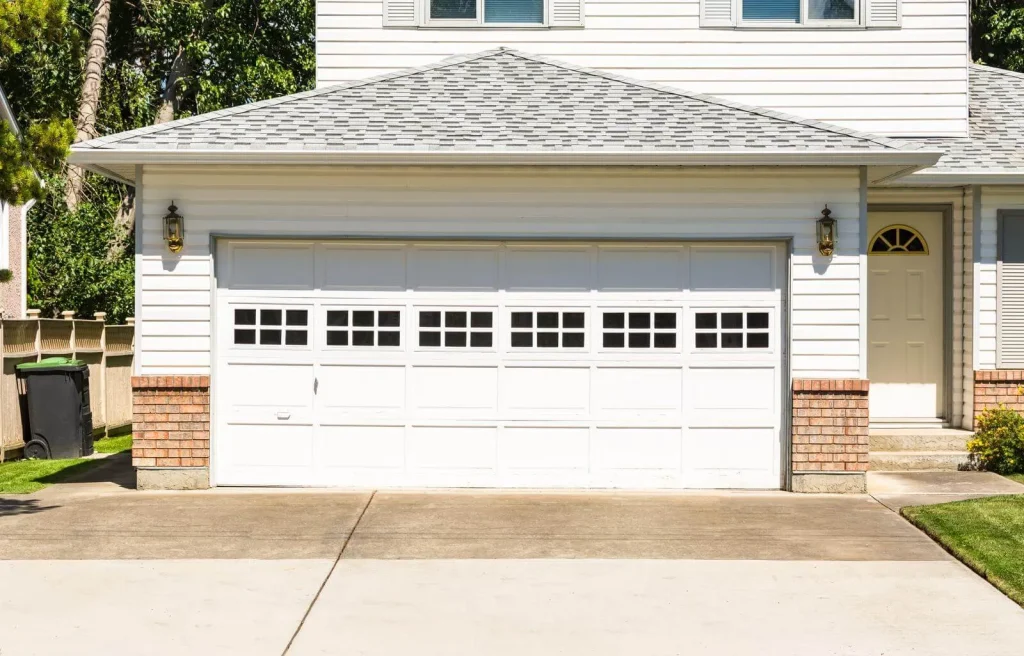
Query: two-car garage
[[498, 364]]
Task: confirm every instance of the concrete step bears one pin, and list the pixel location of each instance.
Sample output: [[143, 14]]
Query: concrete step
[[940, 439], [918, 460]]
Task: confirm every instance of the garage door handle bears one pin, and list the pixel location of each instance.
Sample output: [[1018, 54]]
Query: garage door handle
[[284, 415]]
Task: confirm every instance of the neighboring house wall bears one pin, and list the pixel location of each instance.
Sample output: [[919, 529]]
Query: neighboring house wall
[[906, 81], [12, 244], [174, 333], [961, 201]]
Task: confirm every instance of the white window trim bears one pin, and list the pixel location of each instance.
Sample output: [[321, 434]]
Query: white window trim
[[375, 328], [5, 235], [805, 22], [415, 329], [560, 330], [651, 331], [283, 327], [478, 22]]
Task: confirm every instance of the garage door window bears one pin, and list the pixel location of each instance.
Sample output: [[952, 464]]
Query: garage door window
[[456, 329], [271, 327], [731, 330], [639, 329], [548, 329], [364, 327]]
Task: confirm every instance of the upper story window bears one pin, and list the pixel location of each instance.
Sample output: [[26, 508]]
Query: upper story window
[[504, 12], [800, 11]]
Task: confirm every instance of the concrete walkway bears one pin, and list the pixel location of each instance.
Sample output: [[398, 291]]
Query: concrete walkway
[[899, 489], [98, 569]]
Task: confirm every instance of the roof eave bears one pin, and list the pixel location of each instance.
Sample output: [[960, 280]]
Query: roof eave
[[956, 178], [912, 159]]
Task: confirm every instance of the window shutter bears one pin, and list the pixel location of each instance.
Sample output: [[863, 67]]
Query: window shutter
[[566, 13], [884, 13], [400, 13], [1010, 281], [717, 13]]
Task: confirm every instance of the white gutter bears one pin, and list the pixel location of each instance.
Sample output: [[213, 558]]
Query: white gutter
[[102, 158], [957, 178]]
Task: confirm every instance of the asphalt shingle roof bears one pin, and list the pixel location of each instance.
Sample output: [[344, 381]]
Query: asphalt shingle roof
[[996, 141], [497, 101]]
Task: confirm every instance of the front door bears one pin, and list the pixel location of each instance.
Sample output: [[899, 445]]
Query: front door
[[905, 308]]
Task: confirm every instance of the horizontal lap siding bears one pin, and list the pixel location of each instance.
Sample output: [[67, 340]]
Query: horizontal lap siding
[[993, 199], [909, 81], [174, 330]]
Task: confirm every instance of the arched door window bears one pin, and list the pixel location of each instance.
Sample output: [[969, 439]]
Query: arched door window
[[898, 239]]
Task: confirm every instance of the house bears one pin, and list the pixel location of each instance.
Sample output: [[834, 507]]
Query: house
[[568, 243], [13, 245]]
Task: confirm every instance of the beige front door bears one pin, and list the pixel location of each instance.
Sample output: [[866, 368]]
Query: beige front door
[[905, 309]]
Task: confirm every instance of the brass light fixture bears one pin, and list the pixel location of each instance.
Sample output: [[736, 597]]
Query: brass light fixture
[[174, 229], [826, 233]]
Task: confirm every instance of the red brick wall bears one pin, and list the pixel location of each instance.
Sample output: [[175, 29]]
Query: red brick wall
[[994, 387], [171, 421], [830, 425]]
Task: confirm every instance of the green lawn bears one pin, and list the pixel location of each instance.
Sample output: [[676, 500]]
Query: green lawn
[[27, 476], [986, 534], [1016, 477]]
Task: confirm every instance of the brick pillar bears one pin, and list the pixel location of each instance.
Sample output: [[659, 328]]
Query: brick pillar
[[995, 387], [830, 435], [171, 425]]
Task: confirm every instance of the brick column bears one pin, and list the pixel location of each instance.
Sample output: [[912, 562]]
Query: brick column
[[830, 435], [998, 386], [171, 425]]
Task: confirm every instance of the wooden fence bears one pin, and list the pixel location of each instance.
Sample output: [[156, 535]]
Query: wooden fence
[[108, 350]]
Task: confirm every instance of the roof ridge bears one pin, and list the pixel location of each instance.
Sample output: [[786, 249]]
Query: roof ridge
[[715, 100], [271, 102]]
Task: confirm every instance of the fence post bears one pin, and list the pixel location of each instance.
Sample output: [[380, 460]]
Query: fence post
[[34, 315], [69, 315], [102, 317]]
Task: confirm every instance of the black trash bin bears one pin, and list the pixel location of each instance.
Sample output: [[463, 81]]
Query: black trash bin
[[59, 416]]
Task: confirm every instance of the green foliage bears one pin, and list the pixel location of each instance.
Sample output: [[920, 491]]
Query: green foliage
[[998, 442], [997, 33], [68, 267], [23, 21], [41, 149]]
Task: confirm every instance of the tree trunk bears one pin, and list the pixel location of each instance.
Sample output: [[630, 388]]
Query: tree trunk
[[95, 59], [124, 222]]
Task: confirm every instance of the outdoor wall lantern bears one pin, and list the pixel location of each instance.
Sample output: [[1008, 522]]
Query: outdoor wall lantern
[[174, 229], [826, 233]]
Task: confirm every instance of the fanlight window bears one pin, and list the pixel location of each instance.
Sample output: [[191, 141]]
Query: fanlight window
[[899, 239]]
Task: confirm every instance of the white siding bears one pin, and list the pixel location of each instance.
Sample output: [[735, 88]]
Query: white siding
[[584, 203], [960, 201], [906, 81], [993, 199]]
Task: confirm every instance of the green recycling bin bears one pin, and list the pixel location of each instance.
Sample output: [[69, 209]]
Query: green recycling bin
[[59, 416]]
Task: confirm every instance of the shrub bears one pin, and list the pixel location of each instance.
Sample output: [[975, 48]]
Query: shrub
[[998, 442]]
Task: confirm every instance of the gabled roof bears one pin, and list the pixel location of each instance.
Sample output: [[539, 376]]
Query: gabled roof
[[994, 151], [505, 105]]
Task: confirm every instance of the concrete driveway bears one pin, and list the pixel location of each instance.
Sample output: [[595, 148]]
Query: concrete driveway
[[110, 571]]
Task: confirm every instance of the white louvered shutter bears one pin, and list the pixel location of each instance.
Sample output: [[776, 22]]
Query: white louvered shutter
[[717, 13], [884, 13], [566, 13], [400, 13], [1011, 293]]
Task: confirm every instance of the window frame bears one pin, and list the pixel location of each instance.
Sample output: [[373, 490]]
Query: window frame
[[804, 22], [560, 310], [309, 328], [678, 331], [479, 21], [718, 350], [415, 329], [376, 328]]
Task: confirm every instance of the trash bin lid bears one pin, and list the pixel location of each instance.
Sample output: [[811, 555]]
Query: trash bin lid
[[59, 363]]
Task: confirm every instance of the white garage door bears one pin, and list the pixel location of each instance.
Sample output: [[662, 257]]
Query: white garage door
[[498, 364]]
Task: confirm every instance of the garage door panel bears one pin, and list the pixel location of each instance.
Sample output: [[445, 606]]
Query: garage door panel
[[270, 266], [452, 448], [732, 457], [715, 268], [546, 390], [256, 454], [732, 396], [638, 391], [360, 447], [547, 269], [461, 390], [526, 449], [619, 449], [640, 270], [454, 269], [362, 268], [361, 390], [274, 392]]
